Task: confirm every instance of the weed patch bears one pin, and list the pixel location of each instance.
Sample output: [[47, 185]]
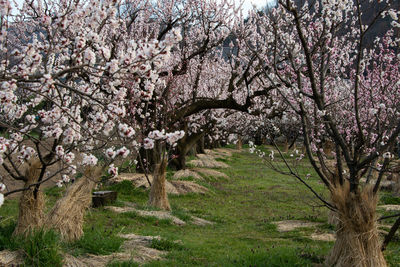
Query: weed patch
[[165, 244], [123, 264], [41, 248], [98, 241]]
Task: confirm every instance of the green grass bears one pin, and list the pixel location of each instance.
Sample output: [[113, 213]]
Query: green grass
[[165, 244], [7, 241], [42, 248], [242, 207], [97, 240], [123, 264], [388, 199]]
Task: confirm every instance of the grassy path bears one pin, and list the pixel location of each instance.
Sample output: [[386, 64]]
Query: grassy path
[[242, 207]]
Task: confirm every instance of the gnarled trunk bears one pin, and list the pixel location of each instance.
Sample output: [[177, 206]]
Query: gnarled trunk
[[158, 195], [32, 202], [185, 145], [67, 215], [358, 243]]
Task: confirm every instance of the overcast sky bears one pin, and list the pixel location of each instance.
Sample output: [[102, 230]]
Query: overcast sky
[[248, 4], [258, 3]]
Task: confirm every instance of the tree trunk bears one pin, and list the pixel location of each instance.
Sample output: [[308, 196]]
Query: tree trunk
[[193, 151], [68, 213], [186, 144], [31, 205], [358, 243], [328, 146], [158, 194], [145, 160], [200, 145], [239, 144], [285, 146]]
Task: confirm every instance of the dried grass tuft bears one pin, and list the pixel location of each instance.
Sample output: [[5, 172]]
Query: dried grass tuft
[[31, 205], [358, 243], [185, 187], [67, 215], [158, 195]]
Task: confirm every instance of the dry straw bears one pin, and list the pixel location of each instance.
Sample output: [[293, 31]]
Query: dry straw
[[158, 195], [358, 243], [67, 215], [31, 205]]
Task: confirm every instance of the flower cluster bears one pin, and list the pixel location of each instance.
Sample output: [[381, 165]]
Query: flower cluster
[[171, 138]]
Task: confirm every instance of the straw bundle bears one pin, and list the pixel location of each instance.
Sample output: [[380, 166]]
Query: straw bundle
[[67, 215], [31, 205], [358, 242], [158, 195]]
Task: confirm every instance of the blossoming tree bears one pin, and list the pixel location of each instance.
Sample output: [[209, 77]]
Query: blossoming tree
[[342, 90], [65, 76]]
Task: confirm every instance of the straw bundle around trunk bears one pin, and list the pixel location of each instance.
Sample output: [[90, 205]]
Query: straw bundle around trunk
[[67, 215], [158, 194], [333, 218], [31, 205], [358, 242]]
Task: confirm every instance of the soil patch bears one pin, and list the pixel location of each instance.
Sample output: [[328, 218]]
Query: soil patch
[[390, 207], [208, 163], [286, 226], [174, 187], [187, 173], [11, 258], [211, 173], [135, 248], [221, 152], [323, 237], [185, 187], [200, 221], [146, 213]]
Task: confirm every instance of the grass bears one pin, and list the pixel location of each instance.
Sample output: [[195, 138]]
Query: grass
[[123, 264], [165, 244], [242, 207], [42, 248], [97, 240]]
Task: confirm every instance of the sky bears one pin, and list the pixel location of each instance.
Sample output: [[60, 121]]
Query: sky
[[248, 4]]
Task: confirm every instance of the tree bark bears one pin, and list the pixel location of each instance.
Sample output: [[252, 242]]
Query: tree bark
[[200, 145], [184, 146]]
